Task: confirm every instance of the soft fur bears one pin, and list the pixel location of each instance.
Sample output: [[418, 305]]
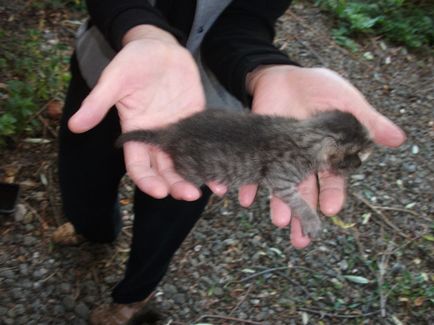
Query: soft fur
[[236, 148]]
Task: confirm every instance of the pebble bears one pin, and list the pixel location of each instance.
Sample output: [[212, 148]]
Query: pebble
[[20, 212], [111, 279], [218, 292], [170, 289], [8, 274], [68, 303], [65, 287], [82, 310], [179, 298], [29, 240]]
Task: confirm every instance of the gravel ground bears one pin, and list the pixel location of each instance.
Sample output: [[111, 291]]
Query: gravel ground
[[373, 264]]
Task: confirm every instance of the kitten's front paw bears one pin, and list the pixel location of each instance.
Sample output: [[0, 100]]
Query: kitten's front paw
[[311, 226]]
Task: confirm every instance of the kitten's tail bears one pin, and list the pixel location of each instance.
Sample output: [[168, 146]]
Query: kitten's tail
[[147, 136]]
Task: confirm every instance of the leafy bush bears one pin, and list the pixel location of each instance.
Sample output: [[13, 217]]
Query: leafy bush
[[36, 72], [408, 23]]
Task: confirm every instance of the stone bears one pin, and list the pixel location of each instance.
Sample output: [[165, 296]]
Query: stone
[[68, 303], [82, 310]]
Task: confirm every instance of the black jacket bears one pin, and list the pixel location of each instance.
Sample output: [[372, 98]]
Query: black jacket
[[239, 41]]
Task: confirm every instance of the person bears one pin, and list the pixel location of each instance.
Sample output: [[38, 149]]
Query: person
[[145, 64]]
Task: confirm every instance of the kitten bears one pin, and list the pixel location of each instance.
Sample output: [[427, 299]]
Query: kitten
[[236, 148]]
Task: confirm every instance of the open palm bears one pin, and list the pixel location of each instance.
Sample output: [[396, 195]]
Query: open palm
[[152, 83]]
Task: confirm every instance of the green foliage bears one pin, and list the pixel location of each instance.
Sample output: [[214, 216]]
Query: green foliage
[[38, 74], [408, 23], [59, 4]]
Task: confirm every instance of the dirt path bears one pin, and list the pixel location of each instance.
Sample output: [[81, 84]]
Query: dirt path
[[373, 265]]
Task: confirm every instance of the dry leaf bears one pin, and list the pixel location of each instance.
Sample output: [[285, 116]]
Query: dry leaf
[[54, 109]]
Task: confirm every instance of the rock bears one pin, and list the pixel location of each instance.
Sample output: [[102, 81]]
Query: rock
[[20, 212], [8, 274], [68, 303], [65, 287], [24, 269], [179, 298], [29, 240], [169, 289], [218, 292], [3, 311], [82, 310], [111, 279]]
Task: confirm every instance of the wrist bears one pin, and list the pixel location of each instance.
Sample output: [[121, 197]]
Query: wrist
[[253, 76], [141, 32]]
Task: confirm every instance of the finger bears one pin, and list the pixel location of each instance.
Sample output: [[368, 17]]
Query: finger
[[298, 240], [247, 194], [138, 164], [331, 193], [217, 188], [382, 130], [96, 105], [179, 188], [280, 212], [308, 190]]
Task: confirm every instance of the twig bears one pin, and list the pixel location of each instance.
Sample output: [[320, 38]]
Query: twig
[[242, 299], [228, 318], [320, 312], [409, 242], [264, 272], [311, 50], [397, 209], [48, 277], [382, 267], [380, 214]]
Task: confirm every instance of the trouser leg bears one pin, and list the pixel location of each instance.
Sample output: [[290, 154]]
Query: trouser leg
[[90, 169], [160, 226]]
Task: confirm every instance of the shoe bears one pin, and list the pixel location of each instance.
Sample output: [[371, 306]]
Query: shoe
[[65, 235], [123, 314]]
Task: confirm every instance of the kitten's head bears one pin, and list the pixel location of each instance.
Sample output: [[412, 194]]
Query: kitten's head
[[345, 144]]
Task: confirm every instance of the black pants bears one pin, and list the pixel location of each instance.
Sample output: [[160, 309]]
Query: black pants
[[90, 169]]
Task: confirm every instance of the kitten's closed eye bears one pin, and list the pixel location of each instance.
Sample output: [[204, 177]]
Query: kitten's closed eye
[[349, 162]]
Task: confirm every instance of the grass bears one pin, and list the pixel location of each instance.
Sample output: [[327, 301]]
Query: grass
[[406, 23], [34, 70]]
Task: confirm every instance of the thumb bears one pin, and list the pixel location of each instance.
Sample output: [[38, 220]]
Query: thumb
[[95, 106], [382, 130]]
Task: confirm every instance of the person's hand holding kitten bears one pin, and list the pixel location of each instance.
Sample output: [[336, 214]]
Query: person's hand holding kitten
[[300, 92]]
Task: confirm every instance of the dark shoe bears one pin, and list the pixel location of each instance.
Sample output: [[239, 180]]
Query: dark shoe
[[65, 235], [123, 314]]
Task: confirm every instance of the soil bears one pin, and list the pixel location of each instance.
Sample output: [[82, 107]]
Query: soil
[[372, 265]]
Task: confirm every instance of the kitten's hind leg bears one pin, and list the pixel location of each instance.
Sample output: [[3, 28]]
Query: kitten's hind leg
[[310, 222]]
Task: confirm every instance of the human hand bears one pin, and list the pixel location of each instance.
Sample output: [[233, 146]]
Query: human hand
[[153, 81], [300, 92]]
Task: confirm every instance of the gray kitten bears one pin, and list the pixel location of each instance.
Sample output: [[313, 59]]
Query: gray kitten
[[237, 148]]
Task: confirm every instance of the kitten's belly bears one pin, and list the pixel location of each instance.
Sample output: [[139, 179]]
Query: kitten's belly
[[231, 175]]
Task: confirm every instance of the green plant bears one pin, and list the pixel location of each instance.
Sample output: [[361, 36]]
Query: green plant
[[39, 74], [409, 23]]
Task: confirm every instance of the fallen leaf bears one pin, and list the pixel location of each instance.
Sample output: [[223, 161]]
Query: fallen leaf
[[54, 109], [419, 301], [356, 279], [340, 223], [125, 201], [429, 237]]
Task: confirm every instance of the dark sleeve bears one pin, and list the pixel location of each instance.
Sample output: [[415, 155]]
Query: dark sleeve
[[242, 39], [114, 18]]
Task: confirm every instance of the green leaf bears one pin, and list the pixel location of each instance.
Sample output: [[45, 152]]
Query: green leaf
[[429, 237], [356, 279]]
